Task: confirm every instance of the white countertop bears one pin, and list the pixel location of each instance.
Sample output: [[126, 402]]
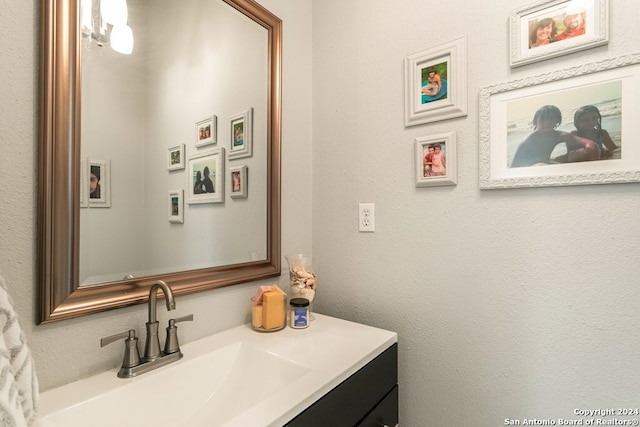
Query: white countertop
[[332, 349]]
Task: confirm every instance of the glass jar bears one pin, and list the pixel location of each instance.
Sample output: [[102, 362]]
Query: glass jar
[[302, 279], [299, 313]]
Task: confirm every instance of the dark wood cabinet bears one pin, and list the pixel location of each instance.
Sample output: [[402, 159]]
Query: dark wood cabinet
[[368, 398]]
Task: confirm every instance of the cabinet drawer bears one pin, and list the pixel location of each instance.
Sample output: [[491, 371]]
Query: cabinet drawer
[[385, 413], [352, 400]]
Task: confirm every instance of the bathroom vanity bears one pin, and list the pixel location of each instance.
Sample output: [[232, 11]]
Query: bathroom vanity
[[335, 372]]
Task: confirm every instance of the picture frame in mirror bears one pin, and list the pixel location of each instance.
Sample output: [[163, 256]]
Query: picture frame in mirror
[[175, 158], [207, 131], [238, 179], [99, 179], [205, 177], [241, 134], [176, 206]]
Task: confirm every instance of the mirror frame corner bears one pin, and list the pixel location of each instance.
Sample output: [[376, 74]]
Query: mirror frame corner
[[59, 295]]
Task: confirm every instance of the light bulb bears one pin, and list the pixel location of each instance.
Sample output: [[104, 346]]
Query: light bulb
[[114, 11], [122, 39]]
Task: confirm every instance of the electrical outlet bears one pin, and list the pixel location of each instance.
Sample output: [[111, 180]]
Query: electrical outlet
[[366, 217]]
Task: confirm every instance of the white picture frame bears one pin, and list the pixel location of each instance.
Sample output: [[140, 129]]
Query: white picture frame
[[591, 18], [176, 206], [241, 134], [508, 109], [99, 196], [238, 182], [448, 61], [201, 186], [206, 131], [175, 158], [430, 172]]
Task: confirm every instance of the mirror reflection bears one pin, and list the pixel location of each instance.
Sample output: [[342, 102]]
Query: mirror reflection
[[173, 141]]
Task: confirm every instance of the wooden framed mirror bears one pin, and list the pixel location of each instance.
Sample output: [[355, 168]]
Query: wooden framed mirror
[[61, 293]]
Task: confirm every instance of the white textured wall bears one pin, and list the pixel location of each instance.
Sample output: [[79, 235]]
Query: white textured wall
[[508, 304], [68, 350]]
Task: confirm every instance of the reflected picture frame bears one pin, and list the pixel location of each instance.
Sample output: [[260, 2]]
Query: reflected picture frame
[[241, 134], [201, 186], [175, 158], [507, 111], [176, 206], [590, 17], [428, 173], [239, 183], [100, 169], [423, 102], [206, 131]]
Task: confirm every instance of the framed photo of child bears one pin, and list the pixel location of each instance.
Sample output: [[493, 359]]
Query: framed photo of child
[[241, 134], [238, 179], [435, 160], [550, 28], [567, 127], [436, 83], [207, 131]]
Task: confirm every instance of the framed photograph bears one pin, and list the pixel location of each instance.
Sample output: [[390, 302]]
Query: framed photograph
[[550, 28], [205, 177], [436, 83], [99, 183], [175, 158], [567, 127], [239, 183], [84, 184], [241, 143], [436, 160], [207, 131], [176, 206]]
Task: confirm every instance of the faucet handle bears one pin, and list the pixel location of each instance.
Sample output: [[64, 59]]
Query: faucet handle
[[186, 318], [131, 354], [171, 343]]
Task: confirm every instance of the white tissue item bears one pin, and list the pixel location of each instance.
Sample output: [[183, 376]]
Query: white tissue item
[[18, 381]]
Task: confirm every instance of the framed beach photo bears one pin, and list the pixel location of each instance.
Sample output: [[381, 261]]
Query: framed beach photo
[[436, 83], [205, 177], [175, 158], [435, 160], [238, 179], [241, 141], [99, 183], [550, 28], [206, 131], [176, 206], [568, 127]]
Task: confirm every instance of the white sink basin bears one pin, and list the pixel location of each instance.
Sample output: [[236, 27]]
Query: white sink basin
[[216, 386], [234, 378]]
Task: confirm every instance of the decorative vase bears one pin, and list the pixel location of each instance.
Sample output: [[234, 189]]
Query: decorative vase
[[302, 278]]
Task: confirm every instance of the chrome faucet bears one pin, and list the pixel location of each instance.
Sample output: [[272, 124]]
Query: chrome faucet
[[152, 344], [153, 358]]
